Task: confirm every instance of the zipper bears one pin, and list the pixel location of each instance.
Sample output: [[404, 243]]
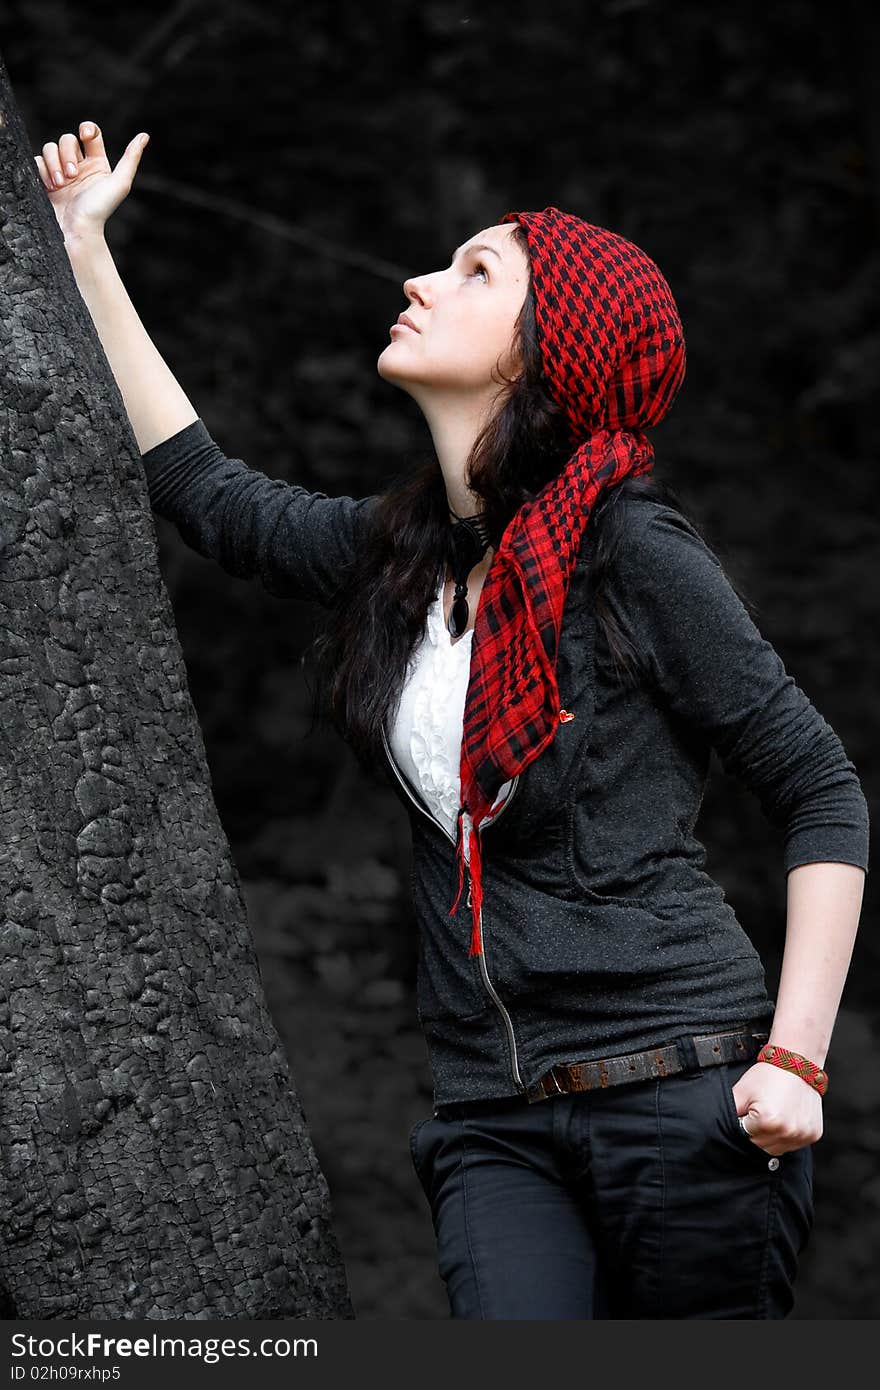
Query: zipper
[[511, 1040], [484, 973]]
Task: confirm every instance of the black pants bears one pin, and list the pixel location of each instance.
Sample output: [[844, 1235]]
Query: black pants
[[644, 1200]]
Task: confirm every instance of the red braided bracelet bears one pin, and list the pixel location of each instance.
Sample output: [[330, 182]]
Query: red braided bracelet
[[793, 1061]]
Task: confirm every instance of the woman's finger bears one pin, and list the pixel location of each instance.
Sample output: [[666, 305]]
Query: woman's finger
[[69, 155], [43, 172], [92, 139], [53, 163]]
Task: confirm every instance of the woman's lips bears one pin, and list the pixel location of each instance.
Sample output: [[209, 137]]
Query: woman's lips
[[405, 326]]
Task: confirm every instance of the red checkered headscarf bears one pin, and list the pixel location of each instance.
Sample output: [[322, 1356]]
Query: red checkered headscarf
[[613, 354]]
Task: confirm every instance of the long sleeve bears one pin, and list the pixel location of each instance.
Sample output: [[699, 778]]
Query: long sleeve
[[714, 670], [296, 542]]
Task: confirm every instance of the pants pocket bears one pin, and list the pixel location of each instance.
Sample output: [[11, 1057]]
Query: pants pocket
[[791, 1214], [732, 1219], [726, 1076]]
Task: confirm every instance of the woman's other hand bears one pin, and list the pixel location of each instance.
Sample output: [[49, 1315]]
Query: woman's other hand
[[83, 190], [780, 1111]]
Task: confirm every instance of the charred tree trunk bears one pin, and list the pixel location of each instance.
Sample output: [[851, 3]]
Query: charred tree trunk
[[154, 1158]]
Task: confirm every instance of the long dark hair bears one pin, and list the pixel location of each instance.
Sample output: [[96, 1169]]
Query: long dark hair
[[380, 612]]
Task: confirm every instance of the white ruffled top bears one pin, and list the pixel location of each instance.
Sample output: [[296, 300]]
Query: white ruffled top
[[426, 731]]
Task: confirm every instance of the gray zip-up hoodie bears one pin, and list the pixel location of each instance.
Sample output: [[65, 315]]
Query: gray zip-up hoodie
[[602, 932]]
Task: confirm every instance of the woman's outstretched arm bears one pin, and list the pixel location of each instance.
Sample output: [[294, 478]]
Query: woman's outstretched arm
[[299, 543], [84, 190], [155, 403]]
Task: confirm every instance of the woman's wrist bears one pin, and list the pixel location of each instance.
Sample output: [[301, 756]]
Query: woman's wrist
[[807, 1068], [801, 1031], [85, 249], [799, 1045]]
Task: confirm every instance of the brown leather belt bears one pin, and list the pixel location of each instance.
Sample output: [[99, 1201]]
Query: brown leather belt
[[685, 1054]]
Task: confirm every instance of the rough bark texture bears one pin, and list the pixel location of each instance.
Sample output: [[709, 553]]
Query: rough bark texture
[[154, 1158]]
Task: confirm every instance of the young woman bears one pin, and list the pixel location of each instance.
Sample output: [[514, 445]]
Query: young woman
[[539, 649]]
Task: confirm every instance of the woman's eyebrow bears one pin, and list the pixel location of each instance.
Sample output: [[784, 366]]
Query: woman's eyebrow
[[478, 246]]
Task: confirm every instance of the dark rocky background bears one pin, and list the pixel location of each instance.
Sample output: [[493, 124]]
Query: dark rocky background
[[303, 160]]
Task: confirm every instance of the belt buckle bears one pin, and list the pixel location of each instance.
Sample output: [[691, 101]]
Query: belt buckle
[[544, 1093], [555, 1079]]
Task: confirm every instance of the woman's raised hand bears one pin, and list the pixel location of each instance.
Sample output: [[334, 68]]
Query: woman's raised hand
[[82, 188]]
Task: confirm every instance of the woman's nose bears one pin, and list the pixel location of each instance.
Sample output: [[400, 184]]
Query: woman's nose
[[417, 288]]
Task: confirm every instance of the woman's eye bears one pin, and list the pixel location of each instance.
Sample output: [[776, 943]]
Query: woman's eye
[[481, 270]]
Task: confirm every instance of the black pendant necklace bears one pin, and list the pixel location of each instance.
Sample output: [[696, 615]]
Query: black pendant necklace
[[469, 541]]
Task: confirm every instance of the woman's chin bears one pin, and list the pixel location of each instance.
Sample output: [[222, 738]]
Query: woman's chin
[[390, 365]]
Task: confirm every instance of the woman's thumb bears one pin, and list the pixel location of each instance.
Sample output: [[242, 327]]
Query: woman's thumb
[[132, 157], [137, 146]]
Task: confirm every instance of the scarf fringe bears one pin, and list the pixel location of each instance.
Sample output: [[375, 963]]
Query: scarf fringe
[[476, 871], [470, 853], [459, 860]]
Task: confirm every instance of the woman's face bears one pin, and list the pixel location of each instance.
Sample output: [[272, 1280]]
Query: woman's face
[[463, 319]]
